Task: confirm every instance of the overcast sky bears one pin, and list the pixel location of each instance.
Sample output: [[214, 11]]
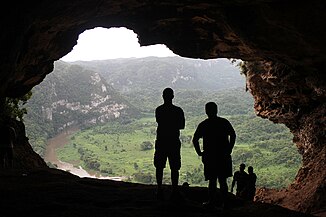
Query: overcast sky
[[101, 43]]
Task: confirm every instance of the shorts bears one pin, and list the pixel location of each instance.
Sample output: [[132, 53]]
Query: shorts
[[217, 166], [171, 152]]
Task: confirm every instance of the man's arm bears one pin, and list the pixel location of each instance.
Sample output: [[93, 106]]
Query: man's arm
[[233, 182], [232, 137], [195, 142], [232, 140], [157, 115], [182, 120]]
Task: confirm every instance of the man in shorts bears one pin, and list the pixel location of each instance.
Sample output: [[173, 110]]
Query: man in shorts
[[170, 120], [218, 140]]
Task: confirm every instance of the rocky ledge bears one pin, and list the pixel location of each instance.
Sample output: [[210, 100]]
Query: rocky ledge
[[51, 192], [283, 42]]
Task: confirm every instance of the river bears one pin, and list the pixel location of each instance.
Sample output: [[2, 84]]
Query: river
[[60, 141]]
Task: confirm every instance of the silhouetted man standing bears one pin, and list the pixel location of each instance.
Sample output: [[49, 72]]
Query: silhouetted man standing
[[170, 119], [218, 140], [240, 178], [251, 184]]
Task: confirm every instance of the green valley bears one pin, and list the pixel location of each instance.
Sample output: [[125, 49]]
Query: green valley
[[126, 150], [112, 102]]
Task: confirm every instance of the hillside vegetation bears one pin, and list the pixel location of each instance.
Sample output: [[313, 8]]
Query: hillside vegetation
[[127, 150], [123, 145], [72, 96]]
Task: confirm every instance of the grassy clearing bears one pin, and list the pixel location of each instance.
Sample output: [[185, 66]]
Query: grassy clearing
[[116, 150]]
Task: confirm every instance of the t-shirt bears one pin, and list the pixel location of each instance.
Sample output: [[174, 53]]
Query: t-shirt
[[252, 180], [215, 133], [241, 179], [170, 120]]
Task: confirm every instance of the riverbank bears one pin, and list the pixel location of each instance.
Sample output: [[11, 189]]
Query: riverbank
[[59, 141]]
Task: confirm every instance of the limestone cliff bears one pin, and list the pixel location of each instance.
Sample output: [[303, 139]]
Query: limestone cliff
[[287, 38], [74, 96]]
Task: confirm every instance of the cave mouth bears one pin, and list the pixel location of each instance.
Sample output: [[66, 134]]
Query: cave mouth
[[284, 43], [242, 153], [112, 43]]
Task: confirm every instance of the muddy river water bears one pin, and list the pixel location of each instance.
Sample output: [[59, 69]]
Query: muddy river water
[[60, 141]]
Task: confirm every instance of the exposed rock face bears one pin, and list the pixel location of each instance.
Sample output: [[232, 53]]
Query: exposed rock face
[[74, 96], [24, 156], [298, 102], [288, 37]]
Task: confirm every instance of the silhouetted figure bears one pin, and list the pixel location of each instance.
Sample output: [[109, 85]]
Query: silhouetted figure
[[218, 141], [8, 137], [240, 178], [170, 119], [251, 184]]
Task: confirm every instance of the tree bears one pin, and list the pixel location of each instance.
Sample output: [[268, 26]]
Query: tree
[[13, 107], [147, 145]]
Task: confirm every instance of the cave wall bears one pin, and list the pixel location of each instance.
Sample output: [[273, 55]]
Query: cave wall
[[24, 157], [298, 102], [40, 32], [283, 42]]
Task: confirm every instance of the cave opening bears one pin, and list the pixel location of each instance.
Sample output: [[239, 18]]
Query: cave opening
[[264, 145], [284, 43]]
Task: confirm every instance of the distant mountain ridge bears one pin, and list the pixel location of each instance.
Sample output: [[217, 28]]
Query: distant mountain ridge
[[84, 93], [75, 96], [134, 74], [104, 99], [88, 92]]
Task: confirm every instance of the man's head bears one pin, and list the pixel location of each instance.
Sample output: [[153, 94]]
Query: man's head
[[242, 167], [168, 94], [250, 169], [211, 109]]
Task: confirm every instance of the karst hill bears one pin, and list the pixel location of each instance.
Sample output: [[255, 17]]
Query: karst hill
[[282, 42]]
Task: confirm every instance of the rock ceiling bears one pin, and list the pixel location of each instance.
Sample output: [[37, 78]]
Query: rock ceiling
[[283, 43]]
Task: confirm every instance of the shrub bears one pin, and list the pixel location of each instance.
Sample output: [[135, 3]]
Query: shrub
[[147, 145]]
